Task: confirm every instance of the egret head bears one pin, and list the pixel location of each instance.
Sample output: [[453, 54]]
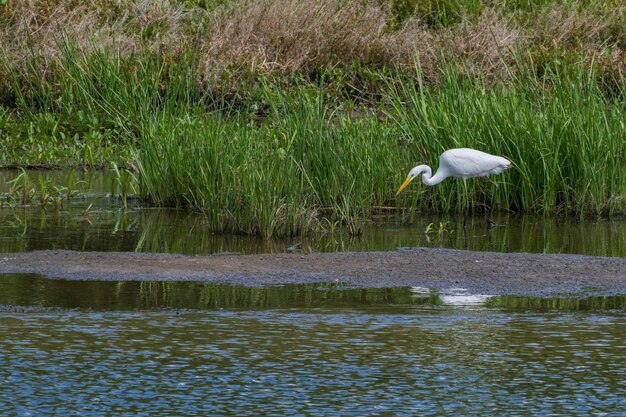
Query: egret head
[[412, 174]]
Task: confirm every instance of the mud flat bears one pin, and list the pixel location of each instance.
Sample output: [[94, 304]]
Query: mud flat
[[478, 272]]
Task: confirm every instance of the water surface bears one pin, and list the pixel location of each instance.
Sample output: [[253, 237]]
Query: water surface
[[95, 348], [35, 291], [312, 362], [95, 222]]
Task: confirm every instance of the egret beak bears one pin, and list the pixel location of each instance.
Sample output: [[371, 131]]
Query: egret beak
[[404, 184]]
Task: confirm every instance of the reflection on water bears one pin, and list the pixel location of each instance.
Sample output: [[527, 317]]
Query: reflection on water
[[106, 227], [37, 291], [96, 223], [186, 348], [318, 362], [28, 290], [521, 303]]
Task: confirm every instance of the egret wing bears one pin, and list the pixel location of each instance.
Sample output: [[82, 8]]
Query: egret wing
[[468, 163]]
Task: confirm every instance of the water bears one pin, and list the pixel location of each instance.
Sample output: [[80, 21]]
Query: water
[[94, 222], [37, 292], [186, 348], [320, 361], [93, 348]]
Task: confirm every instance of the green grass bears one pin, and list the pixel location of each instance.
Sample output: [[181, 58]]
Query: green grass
[[308, 164], [273, 179], [565, 137], [51, 140], [291, 159], [90, 111]]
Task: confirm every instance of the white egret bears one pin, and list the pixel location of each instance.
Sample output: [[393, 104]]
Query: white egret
[[462, 163]]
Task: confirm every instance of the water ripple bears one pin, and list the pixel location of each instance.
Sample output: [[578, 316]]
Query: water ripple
[[320, 362]]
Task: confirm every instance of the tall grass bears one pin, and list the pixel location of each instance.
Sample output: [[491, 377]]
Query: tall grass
[[295, 160], [282, 177], [91, 109], [565, 137], [308, 165]]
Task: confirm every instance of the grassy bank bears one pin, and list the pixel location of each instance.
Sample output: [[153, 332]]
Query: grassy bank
[[280, 117], [308, 158]]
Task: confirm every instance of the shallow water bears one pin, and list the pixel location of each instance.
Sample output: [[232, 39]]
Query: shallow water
[[322, 362], [185, 348], [37, 292], [93, 222]]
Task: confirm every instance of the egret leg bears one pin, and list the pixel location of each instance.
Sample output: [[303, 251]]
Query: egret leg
[[490, 222], [466, 204]]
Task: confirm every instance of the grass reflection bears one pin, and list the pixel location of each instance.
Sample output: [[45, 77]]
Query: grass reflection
[[590, 303], [100, 224], [36, 291]]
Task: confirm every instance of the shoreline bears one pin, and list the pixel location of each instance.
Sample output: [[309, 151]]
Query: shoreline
[[478, 272]]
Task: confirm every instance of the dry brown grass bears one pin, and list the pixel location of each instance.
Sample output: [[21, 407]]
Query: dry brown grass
[[485, 46], [599, 37], [284, 36], [290, 35], [296, 35], [567, 26], [32, 27], [567, 34]]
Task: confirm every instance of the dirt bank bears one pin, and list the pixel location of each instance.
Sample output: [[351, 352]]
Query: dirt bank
[[479, 272]]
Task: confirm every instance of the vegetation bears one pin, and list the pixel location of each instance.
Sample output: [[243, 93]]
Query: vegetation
[[24, 191], [308, 157], [280, 117]]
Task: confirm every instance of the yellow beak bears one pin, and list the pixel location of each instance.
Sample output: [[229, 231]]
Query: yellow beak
[[404, 184]]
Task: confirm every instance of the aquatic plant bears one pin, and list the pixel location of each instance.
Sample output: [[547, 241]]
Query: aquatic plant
[[124, 181], [308, 159], [41, 192], [438, 229], [21, 190]]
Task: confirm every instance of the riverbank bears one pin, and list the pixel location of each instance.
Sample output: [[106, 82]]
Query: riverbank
[[280, 118], [478, 272]]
